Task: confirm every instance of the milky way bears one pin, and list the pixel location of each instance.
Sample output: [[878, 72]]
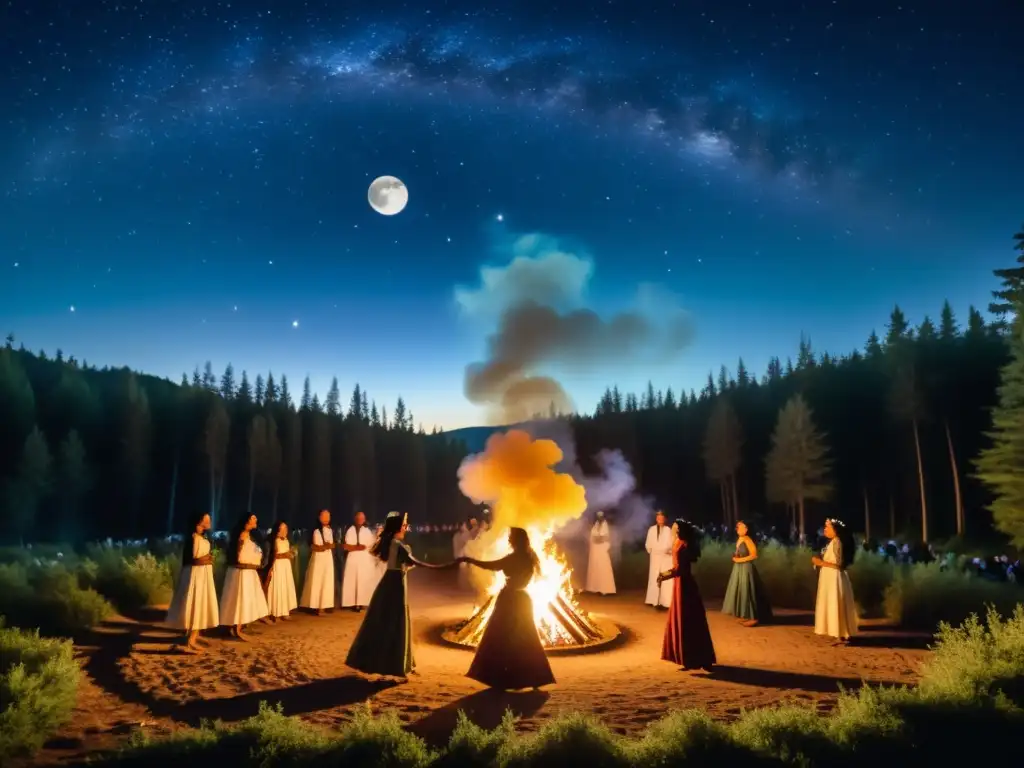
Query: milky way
[[664, 99]]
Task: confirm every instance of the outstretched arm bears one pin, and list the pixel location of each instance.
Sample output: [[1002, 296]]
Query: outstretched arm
[[434, 566], [487, 565]]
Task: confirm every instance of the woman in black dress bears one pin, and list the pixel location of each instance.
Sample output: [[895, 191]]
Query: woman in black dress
[[510, 655]]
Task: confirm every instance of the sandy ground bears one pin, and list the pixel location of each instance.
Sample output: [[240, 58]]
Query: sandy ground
[[136, 677]]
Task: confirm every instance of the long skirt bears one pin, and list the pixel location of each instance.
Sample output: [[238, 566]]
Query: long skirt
[[835, 611], [281, 589], [194, 604], [383, 645], [242, 600], [687, 635], [510, 655], [745, 596]]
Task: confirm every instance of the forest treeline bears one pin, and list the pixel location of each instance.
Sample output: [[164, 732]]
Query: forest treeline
[[887, 437]]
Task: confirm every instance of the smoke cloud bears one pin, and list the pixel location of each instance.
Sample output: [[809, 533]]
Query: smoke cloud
[[542, 321]]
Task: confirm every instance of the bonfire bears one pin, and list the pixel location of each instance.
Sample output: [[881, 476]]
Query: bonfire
[[560, 621]]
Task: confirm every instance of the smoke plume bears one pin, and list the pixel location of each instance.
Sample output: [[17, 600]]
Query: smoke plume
[[539, 303]]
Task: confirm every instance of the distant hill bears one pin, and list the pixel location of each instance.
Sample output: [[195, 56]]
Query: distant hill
[[474, 438]]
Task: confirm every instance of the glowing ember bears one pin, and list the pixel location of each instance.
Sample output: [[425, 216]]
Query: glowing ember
[[560, 621]]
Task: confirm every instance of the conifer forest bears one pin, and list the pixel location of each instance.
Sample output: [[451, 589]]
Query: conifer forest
[[910, 436]]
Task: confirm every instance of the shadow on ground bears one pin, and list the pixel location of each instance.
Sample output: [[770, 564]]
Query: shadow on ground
[[485, 708], [789, 681]]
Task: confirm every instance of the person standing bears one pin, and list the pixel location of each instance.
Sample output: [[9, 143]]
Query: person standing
[[318, 589], [279, 581], [510, 655], [687, 635], [383, 644], [659, 546], [193, 607], [600, 576], [242, 599], [360, 576], [835, 612], [745, 595]]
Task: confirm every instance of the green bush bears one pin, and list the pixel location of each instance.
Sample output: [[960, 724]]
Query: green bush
[[38, 683], [131, 579], [972, 685], [50, 598], [921, 596]]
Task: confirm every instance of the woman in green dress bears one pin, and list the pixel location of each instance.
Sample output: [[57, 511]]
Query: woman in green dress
[[745, 597], [383, 645]]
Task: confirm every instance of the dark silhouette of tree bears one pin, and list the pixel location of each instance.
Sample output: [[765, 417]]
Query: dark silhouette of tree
[[723, 453], [73, 481], [797, 466], [216, 436], [1008, 297], [31, 486]]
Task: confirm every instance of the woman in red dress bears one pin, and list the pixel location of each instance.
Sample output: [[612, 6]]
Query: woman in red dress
[[510, 656], [687, 636]]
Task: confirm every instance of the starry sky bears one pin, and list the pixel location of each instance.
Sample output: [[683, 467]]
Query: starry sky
[[183, 182]]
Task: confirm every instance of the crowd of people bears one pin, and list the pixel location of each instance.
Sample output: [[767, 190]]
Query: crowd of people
[[259, 586]]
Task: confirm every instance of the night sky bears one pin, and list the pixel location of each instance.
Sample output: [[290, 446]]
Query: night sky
[[187, 181]]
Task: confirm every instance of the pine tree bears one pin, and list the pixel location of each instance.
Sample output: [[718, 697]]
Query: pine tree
[[723, 379], [307, 396], [272, 466], [184, 380], [709, 388], [316, 406], [257, 454], [364, 408], [30, 487], [947, 323], [217, 433], [906, 403], [670, 400], [374, 415], [384, 418], [399, 419], [805, 354], [333, 404], [873, 348], [284, 397], [976, 328], [723, 454], [244, 394], [742, 377], [797, 467], [649, 401], [926, 332], [73, 481], [1009, 297], [355, 404], [1001, 466], [209, 378], [897, 329], [227, 383], [260, 391], [197, 379], [616, 400]]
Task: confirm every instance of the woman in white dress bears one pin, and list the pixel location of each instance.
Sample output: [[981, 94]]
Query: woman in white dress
[[194, 604], [278, 580], [242, 600], [835, 613], [600, 575], [318, 589]]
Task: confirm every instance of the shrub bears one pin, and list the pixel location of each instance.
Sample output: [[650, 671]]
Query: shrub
[[971, 686], [38, 683], [923, 595], [50, 598], [133, 581]]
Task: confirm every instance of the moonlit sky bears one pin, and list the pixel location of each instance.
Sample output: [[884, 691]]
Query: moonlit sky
[[184, 182]]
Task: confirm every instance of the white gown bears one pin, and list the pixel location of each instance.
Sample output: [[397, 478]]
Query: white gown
[[659, 547], [318, 590], [281, 587], [194, 604], [835, 612], [600, 576], [242, 600], [361, 571]]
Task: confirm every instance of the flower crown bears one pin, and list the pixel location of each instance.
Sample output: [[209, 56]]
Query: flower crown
[[403, 515], [835, 521]]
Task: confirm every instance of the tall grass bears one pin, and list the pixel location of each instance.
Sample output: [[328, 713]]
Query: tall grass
[[38, 683], [970, 697]]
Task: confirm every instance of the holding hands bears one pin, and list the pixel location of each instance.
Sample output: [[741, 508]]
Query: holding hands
[[817, 561]]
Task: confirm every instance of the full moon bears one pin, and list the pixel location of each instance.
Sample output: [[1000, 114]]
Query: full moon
[[388, 195]]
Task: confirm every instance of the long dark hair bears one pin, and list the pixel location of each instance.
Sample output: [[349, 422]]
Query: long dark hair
[[186, 545], [845, 536], [519, 540], [382, 546], [690, 536]]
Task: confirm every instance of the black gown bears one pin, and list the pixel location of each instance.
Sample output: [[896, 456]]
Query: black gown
[[510, 655]]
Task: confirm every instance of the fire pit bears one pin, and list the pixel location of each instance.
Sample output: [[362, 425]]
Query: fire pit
[[562, 624]]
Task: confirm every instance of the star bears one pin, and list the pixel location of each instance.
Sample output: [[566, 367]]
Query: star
[[72, 308], [295, 323], [500, 217]]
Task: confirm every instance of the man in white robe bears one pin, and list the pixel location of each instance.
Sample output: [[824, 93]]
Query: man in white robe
[[659, 547], [600, 575], [361, 573]]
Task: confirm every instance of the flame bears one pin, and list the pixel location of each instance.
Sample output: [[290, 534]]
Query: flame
[[515, 474]]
